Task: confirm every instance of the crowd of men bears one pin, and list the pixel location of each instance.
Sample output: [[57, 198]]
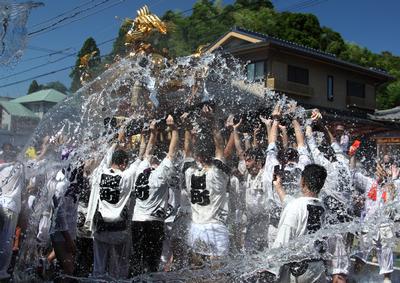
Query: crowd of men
[[194, 191]]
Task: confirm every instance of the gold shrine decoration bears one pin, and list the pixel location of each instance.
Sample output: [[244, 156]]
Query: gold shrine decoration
[[200, 50], [143, 25], [84, 60]]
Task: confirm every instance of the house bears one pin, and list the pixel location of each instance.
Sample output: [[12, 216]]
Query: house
[[41, 101], [312, 77], [387, 142], [20, 116], [344, 92], [16, 117]]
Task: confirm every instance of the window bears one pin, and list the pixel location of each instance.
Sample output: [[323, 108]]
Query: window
[[256, 71], [329, 89], [355, 89], [297, 75]]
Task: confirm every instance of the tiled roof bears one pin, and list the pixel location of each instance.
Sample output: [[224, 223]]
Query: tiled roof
[[302, 48], [47, 95], [265, 37], [16, 109], [390, 115]]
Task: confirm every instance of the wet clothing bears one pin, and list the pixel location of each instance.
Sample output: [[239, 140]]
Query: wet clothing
[[208, 233], [301, 216], [147, 242], [11, 185], [151, 191], [383, 238], [151, 209], [108, 217]]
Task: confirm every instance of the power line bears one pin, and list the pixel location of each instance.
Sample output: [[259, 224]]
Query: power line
[[45, 50], [64, 13], [47, 55], [87, 16], [52, 62], [41, 75], [302, 5], [36, 77], [36, 67], [53, 52], [67, 18]]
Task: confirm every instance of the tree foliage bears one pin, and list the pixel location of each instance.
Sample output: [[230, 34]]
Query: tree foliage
[[88, 47], [33, 87], [59, 86], [211, 19]]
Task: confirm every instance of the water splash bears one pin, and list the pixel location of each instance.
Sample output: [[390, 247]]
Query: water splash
[[13, 32], [125, 89]]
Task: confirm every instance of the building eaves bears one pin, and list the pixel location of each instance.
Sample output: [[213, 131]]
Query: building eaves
[[325, 56], [389, 115], [17, 109], [47, 95]]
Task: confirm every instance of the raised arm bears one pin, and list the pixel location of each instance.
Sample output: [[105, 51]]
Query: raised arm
[[298, 133], [174, 138], [229, 146], [238, 145], [142, 147], [219, 142], [316, 154], [284, 136], [152, 141]]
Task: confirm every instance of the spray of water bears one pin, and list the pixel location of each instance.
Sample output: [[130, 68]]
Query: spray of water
[[13, 32], [126, 89]]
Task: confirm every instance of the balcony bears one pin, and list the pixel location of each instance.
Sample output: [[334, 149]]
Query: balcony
[[359, 102], [289, 87]]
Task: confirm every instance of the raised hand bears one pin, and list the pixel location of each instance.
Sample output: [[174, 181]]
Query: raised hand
[[276, 113], [170, 122], [152, 126], [208, 111], [267, 122], [229, 122], [237, 125], [316, 115], [184, 116]]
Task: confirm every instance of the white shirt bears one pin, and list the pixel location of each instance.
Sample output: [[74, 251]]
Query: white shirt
[[64, 205], [337, 184], [301, 216], [151, 191], [208, 194], [11, 184], [110, 199]]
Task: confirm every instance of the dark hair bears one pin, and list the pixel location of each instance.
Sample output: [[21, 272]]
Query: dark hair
[[291, 154], [119, 157], [256, 154], [328, 152], [205, 151], [314, 176]]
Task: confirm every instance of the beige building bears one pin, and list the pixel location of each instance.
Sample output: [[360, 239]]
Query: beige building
[[312, 77]]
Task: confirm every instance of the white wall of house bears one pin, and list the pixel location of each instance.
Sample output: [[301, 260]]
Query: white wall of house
[[5, 120], [39, 108]]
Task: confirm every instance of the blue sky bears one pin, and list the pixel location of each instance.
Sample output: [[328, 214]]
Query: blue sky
[[370, 23]]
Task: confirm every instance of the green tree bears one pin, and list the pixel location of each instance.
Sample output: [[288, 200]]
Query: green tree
[[254, 4], [331, 41], [210, 19], [59, 86], [299, 28], [119, 47], [33, 87], [88, 47]]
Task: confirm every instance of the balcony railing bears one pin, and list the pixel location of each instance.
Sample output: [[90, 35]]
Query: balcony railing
[[359, 102], [289, 87]]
